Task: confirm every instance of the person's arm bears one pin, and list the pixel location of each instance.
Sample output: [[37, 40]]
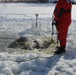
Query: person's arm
[[58, 12]]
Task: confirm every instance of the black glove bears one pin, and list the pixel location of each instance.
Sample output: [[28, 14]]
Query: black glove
[[55, 22]]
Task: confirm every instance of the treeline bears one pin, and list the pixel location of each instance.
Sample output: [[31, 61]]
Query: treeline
[[42, 1], [29, 1]]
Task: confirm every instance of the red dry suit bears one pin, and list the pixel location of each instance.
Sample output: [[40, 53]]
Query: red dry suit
[[62, 15]]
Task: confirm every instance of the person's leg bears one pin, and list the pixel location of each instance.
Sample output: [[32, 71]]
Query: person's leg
[[61, 49], [62, 35]]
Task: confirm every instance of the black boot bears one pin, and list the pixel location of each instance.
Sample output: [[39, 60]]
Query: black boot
[[60, 50]]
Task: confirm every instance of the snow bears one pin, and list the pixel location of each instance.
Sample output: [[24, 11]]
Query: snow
[[17, 19]]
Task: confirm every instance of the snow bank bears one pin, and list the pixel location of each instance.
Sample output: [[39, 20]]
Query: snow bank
[[16, 64]]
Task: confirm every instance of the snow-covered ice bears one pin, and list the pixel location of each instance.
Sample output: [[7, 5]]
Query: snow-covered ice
[[18, 19]]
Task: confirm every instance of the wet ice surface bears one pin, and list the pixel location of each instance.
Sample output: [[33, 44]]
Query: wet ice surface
[[12, 29]]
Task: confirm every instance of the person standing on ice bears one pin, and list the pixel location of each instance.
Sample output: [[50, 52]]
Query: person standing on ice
[[62, 20]]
